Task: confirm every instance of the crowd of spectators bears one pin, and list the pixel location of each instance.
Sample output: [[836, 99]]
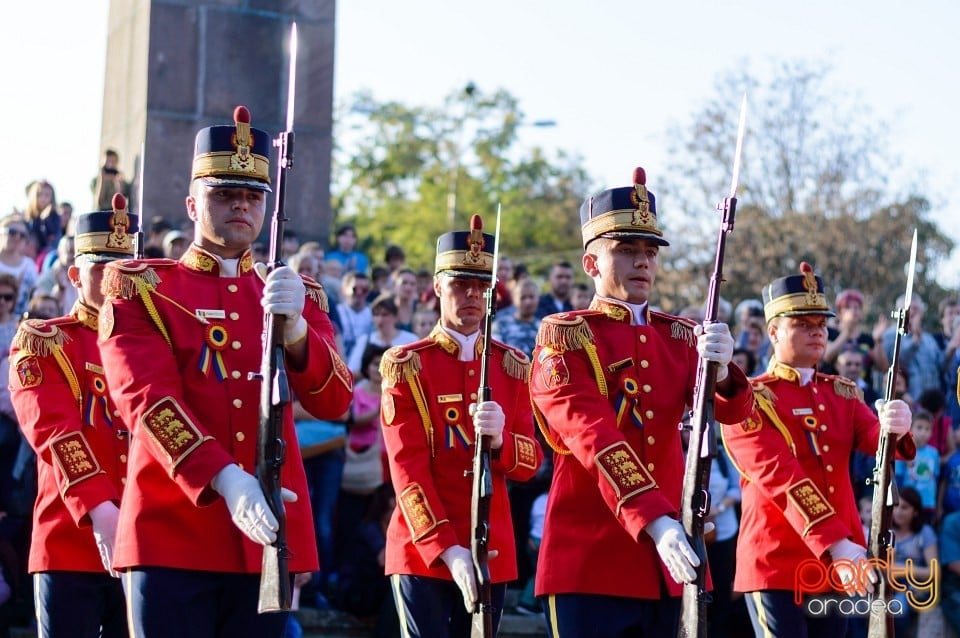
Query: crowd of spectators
[[378, 304]]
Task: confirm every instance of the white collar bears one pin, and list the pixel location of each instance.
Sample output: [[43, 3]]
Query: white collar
[[468, 343]]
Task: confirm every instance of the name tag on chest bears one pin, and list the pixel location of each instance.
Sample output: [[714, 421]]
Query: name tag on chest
[[211, 314], [802, 411]]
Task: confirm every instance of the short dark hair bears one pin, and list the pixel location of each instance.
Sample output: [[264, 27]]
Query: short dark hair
[[394, 252], [344, 228], [371, 352]]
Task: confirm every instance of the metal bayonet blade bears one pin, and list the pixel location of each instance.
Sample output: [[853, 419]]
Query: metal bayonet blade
[[496, 251], [736, 155], [911, 271], [292, 79]]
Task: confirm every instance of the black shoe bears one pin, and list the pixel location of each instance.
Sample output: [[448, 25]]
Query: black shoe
[[526, 610]]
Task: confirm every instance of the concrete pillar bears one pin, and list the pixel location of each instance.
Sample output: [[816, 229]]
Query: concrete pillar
[[176, 66]]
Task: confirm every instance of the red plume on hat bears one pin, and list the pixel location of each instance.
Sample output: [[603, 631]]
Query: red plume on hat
[[476, 233], [241, 118], [639, 194]]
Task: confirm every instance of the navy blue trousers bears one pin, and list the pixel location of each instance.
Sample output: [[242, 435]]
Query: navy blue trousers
[[165, 602], [595, 616], [774, 614], [79, 605], [433, 608]]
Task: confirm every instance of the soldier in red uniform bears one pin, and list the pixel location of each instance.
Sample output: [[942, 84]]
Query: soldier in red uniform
[[610, 385], [793, 453], [429, 391], [59, 392], [179, 340]]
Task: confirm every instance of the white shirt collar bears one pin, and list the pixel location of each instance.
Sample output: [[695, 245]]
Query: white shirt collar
[[806, 375], [468, 343]]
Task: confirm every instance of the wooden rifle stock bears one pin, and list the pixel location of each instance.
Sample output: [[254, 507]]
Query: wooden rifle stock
[[885, 496], [701, 450]]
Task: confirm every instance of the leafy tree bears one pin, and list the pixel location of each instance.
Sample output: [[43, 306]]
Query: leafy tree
[[416, 171], [813, 187]]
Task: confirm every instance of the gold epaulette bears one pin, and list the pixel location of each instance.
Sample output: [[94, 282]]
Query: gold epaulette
[[564, 331], [316, 293], [398, 364], [130, 277], [39, 337], [761, 389], [845, 388], [680, 327], [516, 364]]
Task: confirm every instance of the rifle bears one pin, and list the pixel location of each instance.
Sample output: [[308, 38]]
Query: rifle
[[275, 592], [702, 442], [885, 495], [482, 626], [138, 236]]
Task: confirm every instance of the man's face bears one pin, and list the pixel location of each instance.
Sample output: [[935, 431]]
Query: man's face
[[623, 269], [346, 240], [850, 365], [87, 276], [561, 278], [526, 296], [799, 341], [407, 286], [226, 219], [462, 305]]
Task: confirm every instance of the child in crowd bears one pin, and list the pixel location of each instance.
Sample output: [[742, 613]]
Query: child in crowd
[[923, 472]]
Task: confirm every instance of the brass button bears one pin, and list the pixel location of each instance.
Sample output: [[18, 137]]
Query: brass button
[[123, 458], [643, 338], [116, 413], [648, 414], [826, 448], [646, 387], [829, 468], [234, 315], [821, 407], [823, 427], [119, 434], [651, 440], [644, 363], [123, 480], [814, 390], [473, 396], [237, 403], [235, 374], [235, 345], [232, 287], [471, 373], [650, 466], [832, 489], [240, 436]]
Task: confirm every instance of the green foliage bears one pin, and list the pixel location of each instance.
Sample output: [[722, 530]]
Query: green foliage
[[414, 173]]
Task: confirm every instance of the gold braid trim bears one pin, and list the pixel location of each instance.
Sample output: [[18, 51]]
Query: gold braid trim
[[564, 334], [766, 405], [395, 365], [597, 368], [35, 336], [316, 293], [143, 288], [516, 364], [67, 368], [555, 445], [126, 283], [847, 389]]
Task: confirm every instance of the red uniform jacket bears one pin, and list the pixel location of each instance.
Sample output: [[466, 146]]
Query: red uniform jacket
[[611, 396], [429, 437], [179, 343], [59, 392], [794, 454]]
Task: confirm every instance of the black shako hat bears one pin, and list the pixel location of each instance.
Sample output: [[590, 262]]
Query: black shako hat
[[237, 155], [628, 212], [466, 253]]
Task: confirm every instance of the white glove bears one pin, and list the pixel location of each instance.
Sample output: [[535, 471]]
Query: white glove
[[488, 419], [104, 519], [851, 570], [284, 294], [248, 507], [674, 550], [459, 561], [714, 343], [895, 416]]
